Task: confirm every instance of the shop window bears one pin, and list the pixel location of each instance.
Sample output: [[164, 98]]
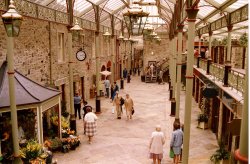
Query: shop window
[[61, 47]]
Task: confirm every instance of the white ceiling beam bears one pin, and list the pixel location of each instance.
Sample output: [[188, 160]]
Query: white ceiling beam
[[113, 13], [166, 9], [217, 10], [125, 3], [47, 2], [90, 7]]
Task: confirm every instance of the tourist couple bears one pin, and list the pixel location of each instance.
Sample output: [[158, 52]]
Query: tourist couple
[[129, 105]]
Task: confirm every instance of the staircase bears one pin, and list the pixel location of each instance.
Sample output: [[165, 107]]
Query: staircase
[[149, 79]]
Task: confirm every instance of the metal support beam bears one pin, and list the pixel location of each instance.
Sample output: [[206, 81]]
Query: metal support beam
[[179, 65], [191, 13], [216, 11]]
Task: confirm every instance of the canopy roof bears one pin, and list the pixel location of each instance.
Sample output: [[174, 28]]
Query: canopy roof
[[27, 91]]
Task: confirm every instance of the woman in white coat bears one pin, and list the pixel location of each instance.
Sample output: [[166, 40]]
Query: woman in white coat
[[156, 145]]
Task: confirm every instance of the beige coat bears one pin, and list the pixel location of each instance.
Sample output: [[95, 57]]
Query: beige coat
[[129, 106], [117, 102]]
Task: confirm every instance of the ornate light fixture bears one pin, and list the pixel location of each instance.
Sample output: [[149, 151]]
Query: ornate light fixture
[[120, 37], [147, 29], [135, 19], [12, 21], [76, 27], [106, 35]]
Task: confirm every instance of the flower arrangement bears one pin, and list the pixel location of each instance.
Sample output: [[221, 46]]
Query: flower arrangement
[[67, 132], [64, 122], [71, 142], [32, 152]]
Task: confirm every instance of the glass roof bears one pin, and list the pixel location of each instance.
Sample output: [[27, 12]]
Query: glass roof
[[210, 10]]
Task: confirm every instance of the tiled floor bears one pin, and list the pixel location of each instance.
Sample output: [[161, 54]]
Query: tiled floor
[[126, 142]]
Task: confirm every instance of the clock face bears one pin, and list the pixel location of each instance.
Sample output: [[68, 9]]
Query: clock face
[[81, 55]]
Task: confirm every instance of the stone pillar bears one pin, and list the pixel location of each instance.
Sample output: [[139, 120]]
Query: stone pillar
[[220, 121], [209, 60], [12, 96], [228, 59], [199, 45], [179, 65], [198, 61], [241, 154], [191, 13], [130, 56], [112, 59], [71, 90], [173, 101], [97, 54], [210, 44], [171, 62]]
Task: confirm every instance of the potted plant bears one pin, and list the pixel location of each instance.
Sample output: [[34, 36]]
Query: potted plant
[[204, 115], [202, 121], [221, 155]]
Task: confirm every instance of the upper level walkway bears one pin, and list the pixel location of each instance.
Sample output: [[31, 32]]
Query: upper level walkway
[[126, 142]]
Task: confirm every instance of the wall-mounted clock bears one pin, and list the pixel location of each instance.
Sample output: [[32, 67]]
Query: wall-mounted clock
[[81, 55]]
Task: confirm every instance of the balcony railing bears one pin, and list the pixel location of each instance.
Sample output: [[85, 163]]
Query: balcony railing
[[217, 71], [235, 78]]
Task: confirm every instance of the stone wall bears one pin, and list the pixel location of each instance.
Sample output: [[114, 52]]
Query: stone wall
[[153, 51], [36, 54]]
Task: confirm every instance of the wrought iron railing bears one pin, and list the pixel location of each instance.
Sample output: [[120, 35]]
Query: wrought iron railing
[[236, 80], [203, 64], [217, 71]]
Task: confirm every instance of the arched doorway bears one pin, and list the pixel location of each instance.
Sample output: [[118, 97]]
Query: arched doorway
[[103, 69], [109, 66]]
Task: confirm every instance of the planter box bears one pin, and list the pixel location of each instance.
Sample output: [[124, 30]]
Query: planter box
[[203, 125]]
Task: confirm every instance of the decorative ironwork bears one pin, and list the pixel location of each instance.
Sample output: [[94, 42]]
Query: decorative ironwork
[[237, 16], [213, 26], [244, 13], [92, 26], [26, 8], [223, 22], [46, 13], [2, 5], [218, 24], [61, 17]]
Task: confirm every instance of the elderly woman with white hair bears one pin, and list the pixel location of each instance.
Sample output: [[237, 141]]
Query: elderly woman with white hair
[[156, 145]]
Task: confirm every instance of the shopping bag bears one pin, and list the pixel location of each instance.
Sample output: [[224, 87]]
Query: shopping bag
[[133, 111], [113, 109], [171, 153]]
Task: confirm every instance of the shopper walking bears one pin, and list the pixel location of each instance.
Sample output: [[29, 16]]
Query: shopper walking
[[176, 142], [107, 86], [156, 145], [116, 89], [90, 124], [117, 103], [129, 105], [77, 105]]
